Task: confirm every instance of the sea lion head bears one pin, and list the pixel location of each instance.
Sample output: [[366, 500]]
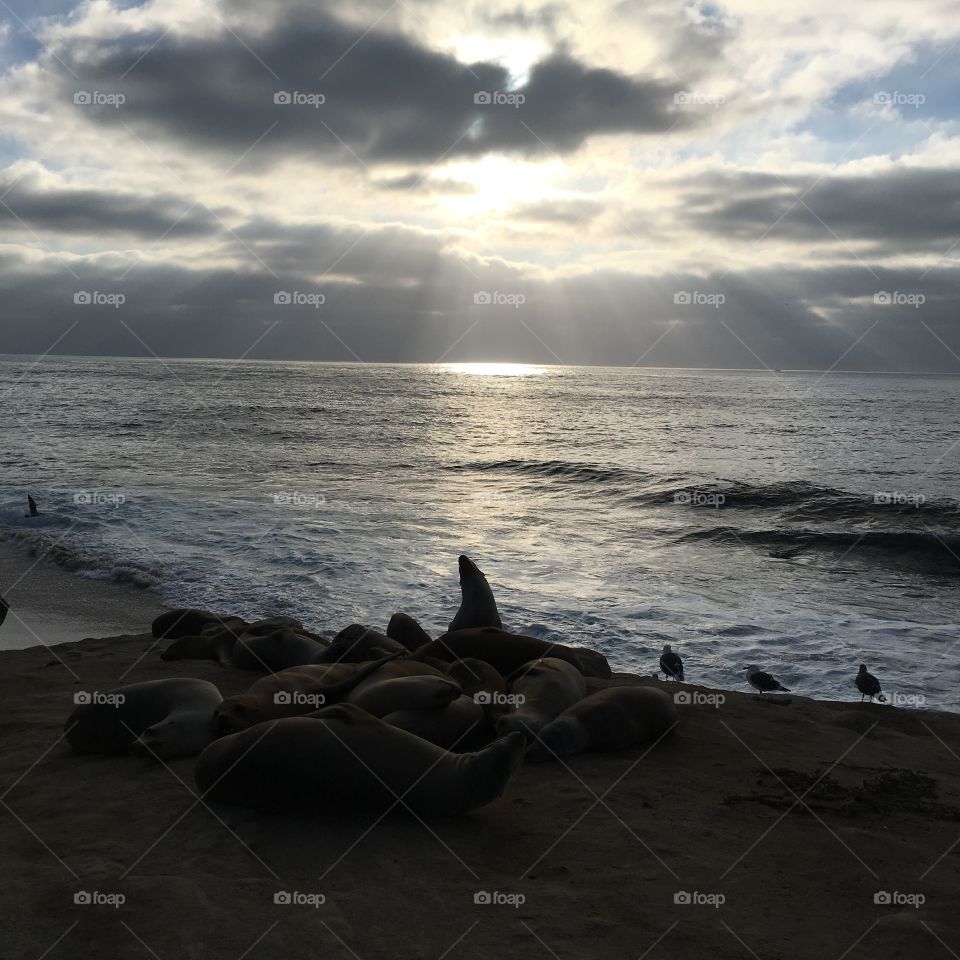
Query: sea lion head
[[183, 734], [236, 714]]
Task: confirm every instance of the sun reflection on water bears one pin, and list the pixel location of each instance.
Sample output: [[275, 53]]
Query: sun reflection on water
[[496, 369]]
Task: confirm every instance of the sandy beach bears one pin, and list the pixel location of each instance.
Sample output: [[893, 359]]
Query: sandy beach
[[783, 822]]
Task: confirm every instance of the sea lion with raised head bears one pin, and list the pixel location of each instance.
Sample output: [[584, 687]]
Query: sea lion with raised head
[[407, 631], [612, 719], [163, 718], [543, 689], [343, 759], [478, 608], [292, 692]]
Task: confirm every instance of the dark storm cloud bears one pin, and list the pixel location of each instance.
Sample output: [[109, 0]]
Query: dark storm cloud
[[97, 212], [896, 211], [385, 97], [376, 306]]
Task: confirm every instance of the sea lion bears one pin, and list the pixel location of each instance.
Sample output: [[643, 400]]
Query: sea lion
[[32, 510], [4, 609], [407, 693], [478, 608], [479, 680], [164, 718], [477, 676], [543, 690], [292, 692], [357, 643], [344, 759], [393, 670], [277, 649], [188, 622], [211, 644], [460, 725], [407, 631], [611, 719], [507, 652]]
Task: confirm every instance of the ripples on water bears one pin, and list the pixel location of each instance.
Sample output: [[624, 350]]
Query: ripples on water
[[730, 514]]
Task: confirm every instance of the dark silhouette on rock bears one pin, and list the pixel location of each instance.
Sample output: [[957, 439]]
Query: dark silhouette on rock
[[868, 685]]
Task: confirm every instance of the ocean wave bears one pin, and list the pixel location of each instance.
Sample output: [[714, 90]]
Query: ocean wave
[[796, 501], [558, 469], [933, 551], [78, 560]]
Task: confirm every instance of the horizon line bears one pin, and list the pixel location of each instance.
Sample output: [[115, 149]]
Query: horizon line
[[501, 362]]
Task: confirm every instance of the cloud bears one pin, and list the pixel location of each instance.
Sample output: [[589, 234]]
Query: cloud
[[387, 98], [895, 211], [90, 212]]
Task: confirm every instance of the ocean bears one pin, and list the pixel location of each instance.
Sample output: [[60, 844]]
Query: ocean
[[800, 521]]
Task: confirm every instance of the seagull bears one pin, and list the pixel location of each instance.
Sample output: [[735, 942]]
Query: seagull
[[868, 685], [32, 504], [764, 682], [671, 664]]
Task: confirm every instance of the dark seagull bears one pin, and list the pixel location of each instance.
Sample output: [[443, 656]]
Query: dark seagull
[[671, 664], [32, 504], [868, 685], [764, 682]]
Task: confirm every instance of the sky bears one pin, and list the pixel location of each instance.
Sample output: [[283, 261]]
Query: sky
[[748, 184]]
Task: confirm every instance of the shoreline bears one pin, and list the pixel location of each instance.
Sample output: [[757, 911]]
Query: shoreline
[[52, 605]]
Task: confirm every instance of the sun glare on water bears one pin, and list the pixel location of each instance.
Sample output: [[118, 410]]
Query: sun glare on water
[[496, 369]]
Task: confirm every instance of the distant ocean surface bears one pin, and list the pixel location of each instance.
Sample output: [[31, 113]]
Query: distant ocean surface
[[798, 521]]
